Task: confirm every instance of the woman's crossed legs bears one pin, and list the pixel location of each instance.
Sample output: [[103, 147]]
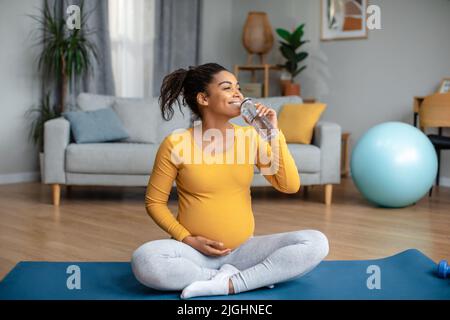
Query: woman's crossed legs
[[262, 260]]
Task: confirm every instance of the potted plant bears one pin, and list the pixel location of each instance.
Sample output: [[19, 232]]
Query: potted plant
[[291, 42], [39, 115], [66, 56]]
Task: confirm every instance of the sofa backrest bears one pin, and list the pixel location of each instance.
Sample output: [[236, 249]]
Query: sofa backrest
[[89, 101]]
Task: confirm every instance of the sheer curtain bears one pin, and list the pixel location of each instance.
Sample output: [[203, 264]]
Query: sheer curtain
[[132, 32]]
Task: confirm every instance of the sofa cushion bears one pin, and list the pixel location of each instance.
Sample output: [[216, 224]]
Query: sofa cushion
[[95, 126], [139, 118], [111, 158], [272, 102], [306, 157], [298, 121]]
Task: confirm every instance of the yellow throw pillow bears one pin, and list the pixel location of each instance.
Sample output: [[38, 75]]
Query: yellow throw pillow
[[297, 121]]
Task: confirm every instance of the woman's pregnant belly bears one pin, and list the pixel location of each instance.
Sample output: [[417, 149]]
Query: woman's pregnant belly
[[225, 218]]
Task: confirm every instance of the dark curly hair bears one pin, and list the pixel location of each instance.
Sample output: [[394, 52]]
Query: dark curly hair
[[187, 83]]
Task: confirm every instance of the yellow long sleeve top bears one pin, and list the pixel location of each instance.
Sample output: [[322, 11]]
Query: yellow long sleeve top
[[214, 199]]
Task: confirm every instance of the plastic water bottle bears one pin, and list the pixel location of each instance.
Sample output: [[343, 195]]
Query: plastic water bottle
[[261, 123]]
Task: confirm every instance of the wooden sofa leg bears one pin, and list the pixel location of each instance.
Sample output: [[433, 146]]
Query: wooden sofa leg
[[305, 190], [56, 194], [328, 193]]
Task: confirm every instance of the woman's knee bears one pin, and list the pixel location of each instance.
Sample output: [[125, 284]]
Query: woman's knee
[[316, 240], [148, 267]]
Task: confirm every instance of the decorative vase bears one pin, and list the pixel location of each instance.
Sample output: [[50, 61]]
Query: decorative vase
[[257, 37], [291, 89]]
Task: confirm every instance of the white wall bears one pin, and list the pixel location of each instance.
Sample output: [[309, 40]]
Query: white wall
[[375, 81], [217, 43], [19, 90], [364, 82]]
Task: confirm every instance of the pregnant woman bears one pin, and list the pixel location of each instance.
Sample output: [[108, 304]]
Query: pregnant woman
[[212, 250]]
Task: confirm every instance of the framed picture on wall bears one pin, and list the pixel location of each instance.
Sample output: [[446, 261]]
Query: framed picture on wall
[[445, 86], [343, 19]]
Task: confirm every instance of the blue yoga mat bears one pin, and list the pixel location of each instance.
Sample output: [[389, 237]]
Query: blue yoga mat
[[407, 275]]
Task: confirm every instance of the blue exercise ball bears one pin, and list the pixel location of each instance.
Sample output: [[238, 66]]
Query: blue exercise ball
[[393, 164]]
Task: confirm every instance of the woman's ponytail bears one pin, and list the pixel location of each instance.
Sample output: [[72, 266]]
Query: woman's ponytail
[[171, 89], [187, 83]]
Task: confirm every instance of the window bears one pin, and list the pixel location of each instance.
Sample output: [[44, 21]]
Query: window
[[131, 25]]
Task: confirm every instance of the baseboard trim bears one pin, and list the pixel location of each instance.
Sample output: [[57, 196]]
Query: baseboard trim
[[35, 176], [444, 181], [20, 177]]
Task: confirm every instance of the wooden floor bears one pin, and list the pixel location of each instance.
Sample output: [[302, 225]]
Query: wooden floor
[[108, 223]]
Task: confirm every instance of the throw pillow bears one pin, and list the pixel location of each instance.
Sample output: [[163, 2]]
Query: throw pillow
[[139, 118], [297, 121], [101, 125]]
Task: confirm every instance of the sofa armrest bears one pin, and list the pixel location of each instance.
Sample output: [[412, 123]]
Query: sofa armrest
[[56, 139], [327, 136]]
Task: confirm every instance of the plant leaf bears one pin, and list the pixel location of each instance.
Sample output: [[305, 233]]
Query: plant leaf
[[284, 34], [298, 71], [299, 29], [297, 36], [291, 66], [301, 56], [288, 53], [284, 43]]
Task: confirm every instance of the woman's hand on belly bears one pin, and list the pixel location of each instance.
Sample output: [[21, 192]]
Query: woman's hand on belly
[[206, 246]]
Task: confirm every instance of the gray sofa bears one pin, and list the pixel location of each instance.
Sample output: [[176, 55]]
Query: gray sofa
[[130, 164]]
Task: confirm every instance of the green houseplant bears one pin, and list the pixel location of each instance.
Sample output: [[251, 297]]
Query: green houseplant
[[290, 44], [39, 115], [65, 55]]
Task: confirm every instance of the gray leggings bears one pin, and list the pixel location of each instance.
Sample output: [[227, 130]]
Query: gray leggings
[[263, 260]]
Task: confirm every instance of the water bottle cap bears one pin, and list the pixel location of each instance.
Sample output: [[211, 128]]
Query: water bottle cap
[[245, 100]]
